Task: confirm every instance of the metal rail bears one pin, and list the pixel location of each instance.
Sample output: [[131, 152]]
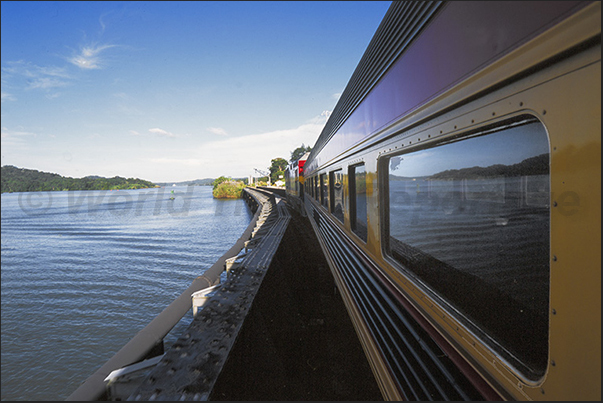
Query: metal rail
[[153, 334]]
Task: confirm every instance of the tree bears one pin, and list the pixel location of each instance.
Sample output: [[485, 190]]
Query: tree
[[299, 152], [277, 168], [229, 190], [220, 180]]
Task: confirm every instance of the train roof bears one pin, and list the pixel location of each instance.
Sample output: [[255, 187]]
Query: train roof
[[389, 41]]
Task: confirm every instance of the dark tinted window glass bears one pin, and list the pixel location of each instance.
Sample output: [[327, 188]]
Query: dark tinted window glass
[[358, 201], [470, 219], [324, 190], [337, 194]]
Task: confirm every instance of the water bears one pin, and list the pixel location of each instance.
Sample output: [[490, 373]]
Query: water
[[84, 271]]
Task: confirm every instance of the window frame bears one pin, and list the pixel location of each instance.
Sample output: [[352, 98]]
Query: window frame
[[353, 202], [384, 184], [332, 191], [324, 190]]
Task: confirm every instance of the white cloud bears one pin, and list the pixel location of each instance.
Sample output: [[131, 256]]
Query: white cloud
[[7, 97], [6, 133], [217, 130], [37, 77], [162, 132], [15, 139], [134, 133], [53, 71], [102, 23], [236, 156], [45, 83], [53, 95], [89, 57]]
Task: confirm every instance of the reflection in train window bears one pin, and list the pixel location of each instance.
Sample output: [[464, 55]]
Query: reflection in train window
[[358, 217], [337, 194], [470, 219], [324, 190]]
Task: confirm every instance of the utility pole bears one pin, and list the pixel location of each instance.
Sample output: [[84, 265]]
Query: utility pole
[[264, 173]]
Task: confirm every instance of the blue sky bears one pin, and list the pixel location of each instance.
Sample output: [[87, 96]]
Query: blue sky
[[173, 91]]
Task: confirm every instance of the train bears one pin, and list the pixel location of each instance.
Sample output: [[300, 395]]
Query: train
[[294, 183], [456, 193]]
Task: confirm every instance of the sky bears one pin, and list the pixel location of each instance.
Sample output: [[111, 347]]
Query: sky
[[173, 91]]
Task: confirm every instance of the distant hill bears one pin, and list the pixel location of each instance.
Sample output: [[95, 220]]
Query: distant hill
[[29, 180], [196, 182], [537, 165]]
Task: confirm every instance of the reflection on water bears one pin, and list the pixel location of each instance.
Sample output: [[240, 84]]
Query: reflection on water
[[83, 272], [477, 233], [485, 237]]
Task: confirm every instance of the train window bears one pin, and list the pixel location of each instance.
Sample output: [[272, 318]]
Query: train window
[[316, 188], [336, 181], [470, 219], [358, 216], [324, 190]]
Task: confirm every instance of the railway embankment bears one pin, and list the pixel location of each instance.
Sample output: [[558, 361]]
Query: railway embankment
[[274, 329]]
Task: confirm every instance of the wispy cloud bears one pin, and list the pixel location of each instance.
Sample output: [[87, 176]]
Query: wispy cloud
[[15, 139], [217, 130], [162, 132], [89, 57], [238, 156], [134, 133], [37, 77], [7, 97], [45, 83], [53, 95], [102, 23]]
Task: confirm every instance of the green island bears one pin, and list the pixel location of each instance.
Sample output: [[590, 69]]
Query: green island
[[29, 180], [227, 188]]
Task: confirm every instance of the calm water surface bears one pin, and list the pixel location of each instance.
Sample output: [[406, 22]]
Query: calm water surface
[[84, 271]]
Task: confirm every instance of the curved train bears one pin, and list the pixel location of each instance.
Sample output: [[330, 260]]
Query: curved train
[[294, 183], [456, 193]]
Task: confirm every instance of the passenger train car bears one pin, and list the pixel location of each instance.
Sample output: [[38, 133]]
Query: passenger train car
[[294, 183], [456, 193]]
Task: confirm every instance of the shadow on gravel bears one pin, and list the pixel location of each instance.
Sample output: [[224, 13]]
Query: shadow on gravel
[[298, 342]]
